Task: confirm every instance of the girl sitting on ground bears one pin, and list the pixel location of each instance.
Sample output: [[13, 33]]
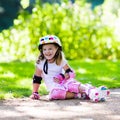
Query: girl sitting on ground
[[59, 77]]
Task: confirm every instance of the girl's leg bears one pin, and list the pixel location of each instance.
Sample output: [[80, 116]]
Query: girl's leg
[[73, 89], [79, 90], [90, 92], [60, 94], [57, 94], [95, 94], [70, 95]]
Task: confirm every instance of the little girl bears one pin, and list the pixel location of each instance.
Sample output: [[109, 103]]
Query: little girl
[[58, 76]]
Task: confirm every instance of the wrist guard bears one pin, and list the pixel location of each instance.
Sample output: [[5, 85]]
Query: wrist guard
[[37, 79], [70, 72]]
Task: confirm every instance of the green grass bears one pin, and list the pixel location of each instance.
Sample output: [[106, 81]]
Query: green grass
[[98, 73], [16, 77]]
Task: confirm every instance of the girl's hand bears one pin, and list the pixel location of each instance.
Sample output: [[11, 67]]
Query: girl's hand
[[67, 76], [56, 80]]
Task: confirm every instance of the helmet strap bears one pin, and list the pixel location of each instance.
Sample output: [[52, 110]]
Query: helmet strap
[[45, 67]]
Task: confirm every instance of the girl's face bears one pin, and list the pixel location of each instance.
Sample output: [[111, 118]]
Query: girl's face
[[49, 51]]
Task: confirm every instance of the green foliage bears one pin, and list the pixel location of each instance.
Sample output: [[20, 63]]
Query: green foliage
[[84, 33], [16, 76]]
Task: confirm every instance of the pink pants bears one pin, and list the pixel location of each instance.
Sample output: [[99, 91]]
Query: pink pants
[[58, 93]]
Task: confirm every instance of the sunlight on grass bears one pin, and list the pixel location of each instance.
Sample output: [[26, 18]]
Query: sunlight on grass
[[89, 60], [105, 79], [8, 74], [82, 70], [25, 82], [8, 96]]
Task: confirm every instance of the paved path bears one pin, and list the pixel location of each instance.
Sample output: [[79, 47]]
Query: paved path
[[27, 109]]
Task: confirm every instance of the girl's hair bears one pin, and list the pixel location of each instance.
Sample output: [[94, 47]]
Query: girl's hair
[[59, 56]]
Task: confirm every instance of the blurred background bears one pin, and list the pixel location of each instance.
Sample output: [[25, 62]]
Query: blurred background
[[87, 28]]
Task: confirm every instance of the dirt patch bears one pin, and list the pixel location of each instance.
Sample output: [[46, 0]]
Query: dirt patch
[[74, 109]]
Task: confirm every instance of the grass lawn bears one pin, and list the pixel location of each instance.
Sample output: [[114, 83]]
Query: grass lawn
[[16, 77]]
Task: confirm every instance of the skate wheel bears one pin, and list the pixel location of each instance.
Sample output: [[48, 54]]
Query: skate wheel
[[96, 100], [102, 99]]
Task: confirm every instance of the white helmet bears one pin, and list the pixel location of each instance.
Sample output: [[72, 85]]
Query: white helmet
[[49, 39]]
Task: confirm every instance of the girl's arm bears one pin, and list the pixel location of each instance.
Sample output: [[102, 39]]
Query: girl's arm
[[38, 72], [66, 67], [37, 79], [61, 77], [69, 73]]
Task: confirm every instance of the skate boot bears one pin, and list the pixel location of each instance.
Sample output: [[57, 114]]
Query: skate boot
[[103, 93], [93, 94]]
